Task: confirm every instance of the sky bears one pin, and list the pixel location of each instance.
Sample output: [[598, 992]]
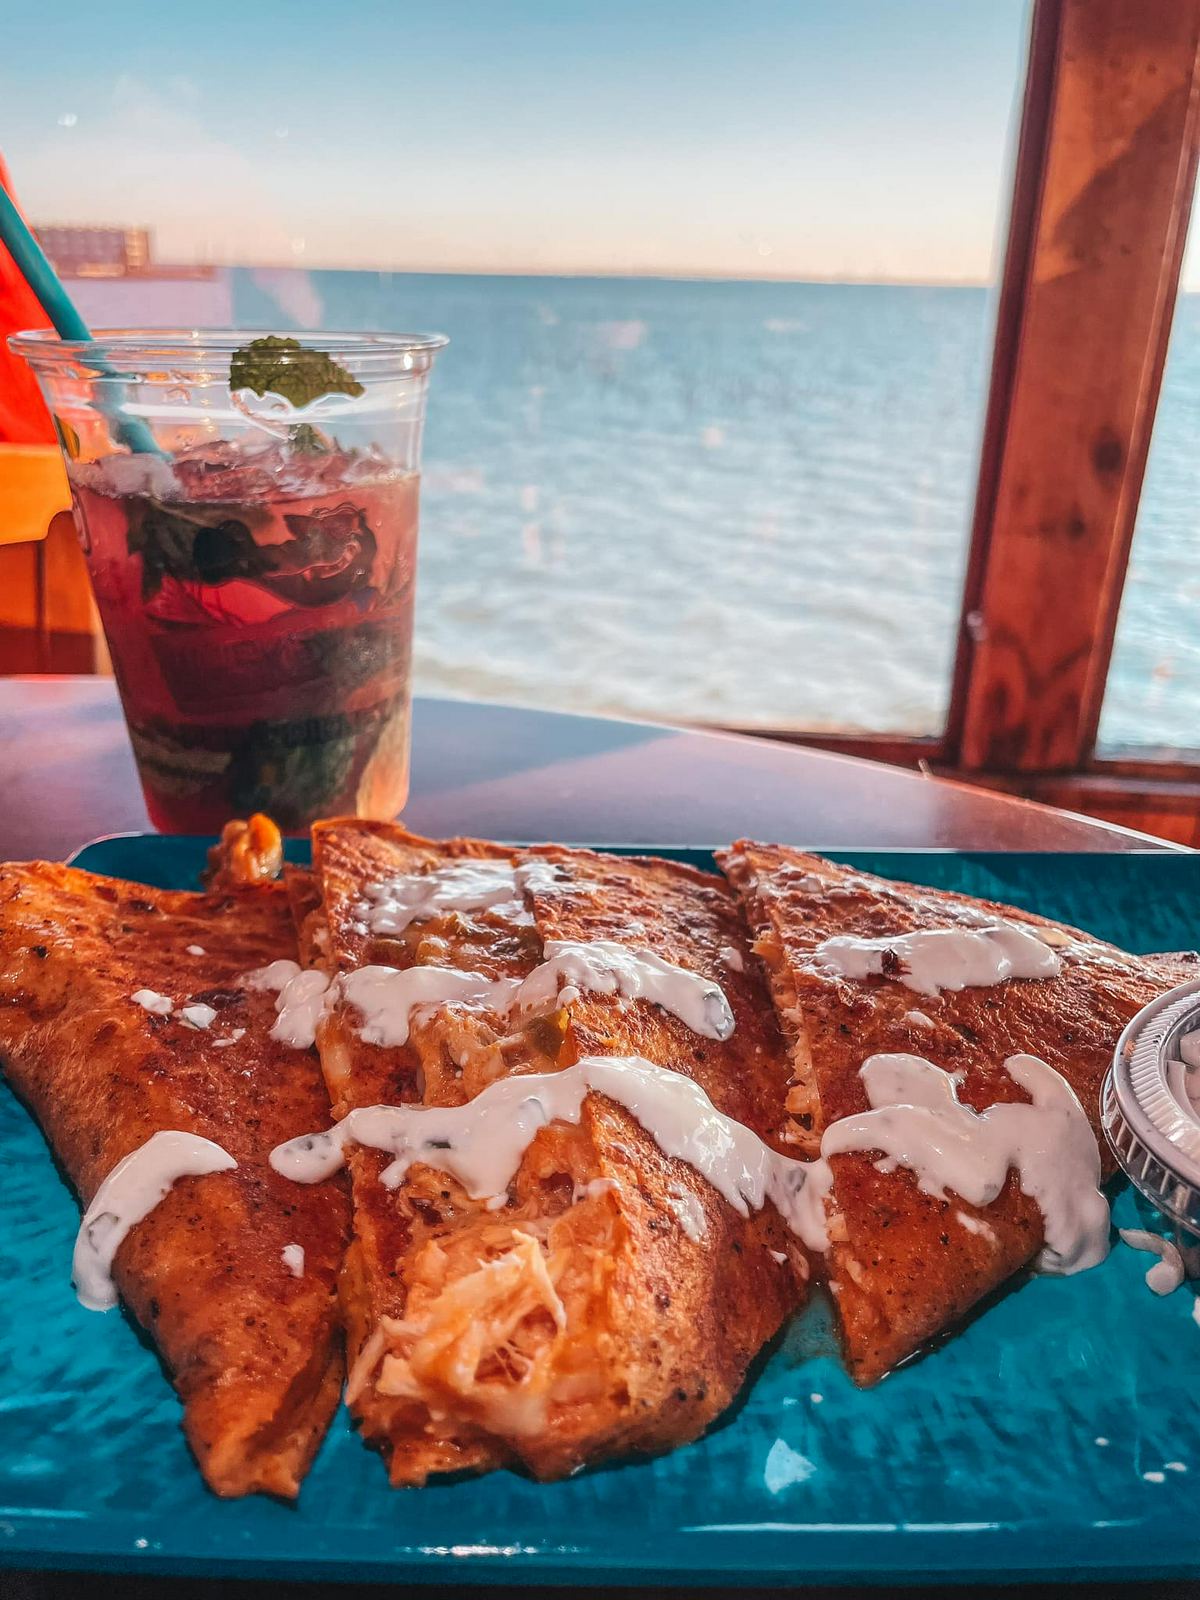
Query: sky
[[741, 138]]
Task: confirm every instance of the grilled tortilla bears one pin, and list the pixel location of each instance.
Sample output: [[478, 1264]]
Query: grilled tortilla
[[254, 1351], [615, 1302], [904, 1265]]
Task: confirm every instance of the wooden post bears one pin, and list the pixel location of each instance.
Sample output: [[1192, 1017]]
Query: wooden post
[[1102, 193]]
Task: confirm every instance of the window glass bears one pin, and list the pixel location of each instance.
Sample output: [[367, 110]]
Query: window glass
[[716, 279], [1153, 691]]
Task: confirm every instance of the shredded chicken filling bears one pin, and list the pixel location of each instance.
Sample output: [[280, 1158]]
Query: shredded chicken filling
[[484, 1326], [487, 1339]]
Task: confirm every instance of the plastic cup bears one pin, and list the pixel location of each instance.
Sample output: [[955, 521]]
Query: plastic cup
[[256, 578]]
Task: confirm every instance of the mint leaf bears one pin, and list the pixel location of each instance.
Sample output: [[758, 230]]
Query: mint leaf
[[288, 368], [164, 539], [173, 543], [306, 440]]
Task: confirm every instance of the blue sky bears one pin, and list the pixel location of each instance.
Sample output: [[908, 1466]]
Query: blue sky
[[823, 138]]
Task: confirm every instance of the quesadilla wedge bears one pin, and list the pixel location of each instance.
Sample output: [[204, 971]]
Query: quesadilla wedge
[[124, 1016], [850, 983], [609, 1301]]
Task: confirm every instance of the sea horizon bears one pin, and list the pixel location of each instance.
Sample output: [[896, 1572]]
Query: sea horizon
[[166, 269]]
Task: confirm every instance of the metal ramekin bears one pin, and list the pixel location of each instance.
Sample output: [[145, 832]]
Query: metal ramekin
[[1142, 1108]]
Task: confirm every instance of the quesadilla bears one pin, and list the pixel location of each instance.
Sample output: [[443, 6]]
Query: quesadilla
[[127, 1027], [864, 970], [608, 1300]]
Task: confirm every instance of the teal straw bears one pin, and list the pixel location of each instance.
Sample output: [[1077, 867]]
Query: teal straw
[[59, 307]]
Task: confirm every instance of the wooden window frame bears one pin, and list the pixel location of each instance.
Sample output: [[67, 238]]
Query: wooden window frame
[[1103, 181]]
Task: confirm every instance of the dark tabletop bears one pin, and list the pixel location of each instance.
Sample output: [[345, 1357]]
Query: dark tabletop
[[67, 775], [67, 1586]]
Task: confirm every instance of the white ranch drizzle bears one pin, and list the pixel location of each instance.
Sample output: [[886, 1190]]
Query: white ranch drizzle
[[933, 959], [301, 1005], [388, 997], [300, 1000], [197, 1016], [292, 1256], [1168, 1272], [392, 904], [918, 1019], [274, 976], [688, 1212], [130, 1192], [482, 1143], [606, 967], [539, 876], [976, 1225], [159, 1005], [515, 912], [593, 1189], [918, 1122]]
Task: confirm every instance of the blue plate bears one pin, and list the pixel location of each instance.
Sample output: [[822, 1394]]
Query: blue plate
[[1058, 1435]]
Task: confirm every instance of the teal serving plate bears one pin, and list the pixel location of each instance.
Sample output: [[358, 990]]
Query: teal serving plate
[[1057, 1436]]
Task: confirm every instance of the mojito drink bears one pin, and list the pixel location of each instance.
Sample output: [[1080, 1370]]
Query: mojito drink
[[248, 508], [258, 610]]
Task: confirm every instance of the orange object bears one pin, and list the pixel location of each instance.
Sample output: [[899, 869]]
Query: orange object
[[33, 490], [47, 617], [23, 415]]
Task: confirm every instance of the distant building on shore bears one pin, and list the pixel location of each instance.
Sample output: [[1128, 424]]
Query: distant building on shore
[[86, 252]]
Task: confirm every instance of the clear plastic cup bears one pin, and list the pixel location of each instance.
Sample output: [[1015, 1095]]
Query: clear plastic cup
[[253, 558]]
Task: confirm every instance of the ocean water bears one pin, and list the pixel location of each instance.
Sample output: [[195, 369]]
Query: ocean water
[[1154, 682], [743, 502], [711, 501]]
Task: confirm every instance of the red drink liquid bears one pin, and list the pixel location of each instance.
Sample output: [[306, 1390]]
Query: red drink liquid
[[258, 609]]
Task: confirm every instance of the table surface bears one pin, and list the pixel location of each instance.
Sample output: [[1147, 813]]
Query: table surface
[[67, 775]]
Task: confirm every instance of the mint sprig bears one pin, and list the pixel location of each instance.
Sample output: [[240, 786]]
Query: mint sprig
[[306, 440], [288, 368]]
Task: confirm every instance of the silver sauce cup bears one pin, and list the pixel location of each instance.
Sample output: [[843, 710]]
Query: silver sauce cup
[[1150, 1110]]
